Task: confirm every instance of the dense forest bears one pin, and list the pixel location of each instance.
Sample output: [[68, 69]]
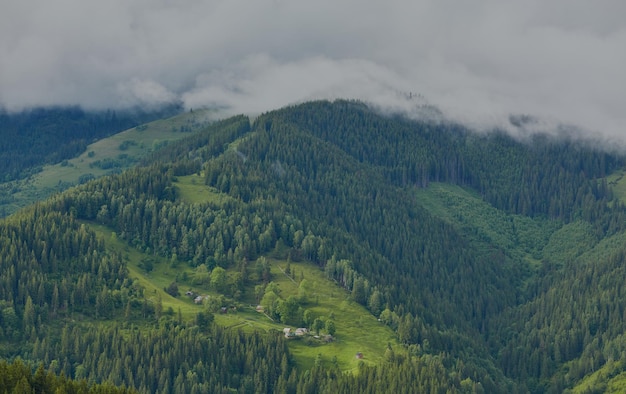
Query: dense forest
[[511, 282]]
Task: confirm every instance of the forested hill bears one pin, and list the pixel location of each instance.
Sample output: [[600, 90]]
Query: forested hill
[[498, 263]]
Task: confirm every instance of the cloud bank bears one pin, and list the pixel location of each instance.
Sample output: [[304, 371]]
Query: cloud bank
[[480, 61]]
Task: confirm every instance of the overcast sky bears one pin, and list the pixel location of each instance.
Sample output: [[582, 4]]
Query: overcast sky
[[478, 61]]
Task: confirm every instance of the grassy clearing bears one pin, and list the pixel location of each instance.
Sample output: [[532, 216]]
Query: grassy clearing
[[153, 282], [124, 149], [357, 329], [617, 181], [192, 189]]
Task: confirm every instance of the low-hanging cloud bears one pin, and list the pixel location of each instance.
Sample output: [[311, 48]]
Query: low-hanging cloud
[[478, 61]]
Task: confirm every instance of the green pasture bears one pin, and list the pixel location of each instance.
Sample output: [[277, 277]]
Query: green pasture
[[357, 330], [191, 189], [617, 182], [125, 148], [153, 282]]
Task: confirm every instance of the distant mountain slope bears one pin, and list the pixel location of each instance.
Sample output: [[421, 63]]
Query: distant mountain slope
[[497, 261], [99, 154], [34, 137], [543, 176]]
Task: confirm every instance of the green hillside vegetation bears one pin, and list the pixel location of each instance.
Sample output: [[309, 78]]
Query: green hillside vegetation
[[193, 190], [522, 237], [17, 377], [611, 378], [356, 329], [35, 137], [106, 156], [618, 184], [451, 261]]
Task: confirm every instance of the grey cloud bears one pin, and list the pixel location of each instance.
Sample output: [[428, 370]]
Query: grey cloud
[[478, 62]]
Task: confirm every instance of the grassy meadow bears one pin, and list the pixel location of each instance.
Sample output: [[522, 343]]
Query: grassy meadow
[[617, 182], [357, 329]]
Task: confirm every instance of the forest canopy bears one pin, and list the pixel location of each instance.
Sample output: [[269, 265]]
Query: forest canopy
[[496, 262]]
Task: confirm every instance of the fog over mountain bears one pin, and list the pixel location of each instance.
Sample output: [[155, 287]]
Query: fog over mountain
[[478, 62]]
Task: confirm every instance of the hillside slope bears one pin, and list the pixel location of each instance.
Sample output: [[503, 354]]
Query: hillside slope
[[496, 262], [96, 155]]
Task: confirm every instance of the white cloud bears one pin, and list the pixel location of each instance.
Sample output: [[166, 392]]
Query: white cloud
[[478, 61], [259, 83], [144, 92]]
